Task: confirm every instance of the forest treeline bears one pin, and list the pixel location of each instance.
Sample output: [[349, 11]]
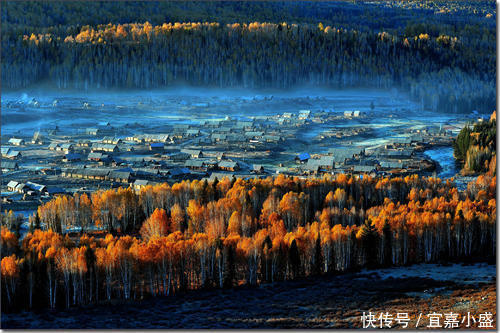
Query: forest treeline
[[433, 16], [166, 239], [475, 146], [447, 69]]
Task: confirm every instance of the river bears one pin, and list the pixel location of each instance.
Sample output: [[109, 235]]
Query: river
[[444, 156]]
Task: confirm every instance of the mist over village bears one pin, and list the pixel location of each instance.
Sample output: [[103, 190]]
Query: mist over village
[[248, 165]]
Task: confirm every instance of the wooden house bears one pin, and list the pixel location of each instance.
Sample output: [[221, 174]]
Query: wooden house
[[228, 166]]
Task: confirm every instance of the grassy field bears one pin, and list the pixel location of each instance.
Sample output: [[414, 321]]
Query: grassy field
[[323, 302]]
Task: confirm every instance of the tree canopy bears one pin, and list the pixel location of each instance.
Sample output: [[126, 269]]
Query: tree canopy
[[446, 63]]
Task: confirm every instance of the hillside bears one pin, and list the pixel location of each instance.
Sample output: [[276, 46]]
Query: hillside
[[447, 62]]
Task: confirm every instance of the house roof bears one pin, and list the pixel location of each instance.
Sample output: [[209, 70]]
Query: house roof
[[313, 162], [127, 169], [220, 175], [345, 152], [15, 140], [178, 171], [312, 165], [156, 145], [391, 165], [363, 168], [143, 171], [35, 186], [209, 161], [114, 159], [55, 190], [96, 155], [154, 137], [191, 151], [73, 156], [193, 163], [93, 172], [218, 136], [244, 123], [252, 134], [119, 175], [12, 183], [236, 138], [141, 182], [327, 161], [228, 164], [13, 153], [179, 156], [104, 146], [304, 156], [396, 153], [9, 165], [88, 172], [271, 137]]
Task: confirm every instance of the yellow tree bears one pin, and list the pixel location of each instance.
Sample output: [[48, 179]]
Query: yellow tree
[[157, 225], [234, 225], [195, 213], [9, 242], [290, 209], [105, 263], [177, 217], [10, 273], [64, 264], [201, 243], [340, 197]]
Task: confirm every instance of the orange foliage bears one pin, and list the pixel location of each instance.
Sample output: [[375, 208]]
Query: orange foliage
[[157, 225]]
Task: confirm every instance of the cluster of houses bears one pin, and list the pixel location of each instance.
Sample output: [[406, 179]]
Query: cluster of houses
[[245, 133], [103, 129], [139, 178], [394, 158], [343, 133], [114, 175], [217, 148], [353, 114], [33, 189]]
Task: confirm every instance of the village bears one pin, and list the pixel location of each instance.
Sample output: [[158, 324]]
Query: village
[[57, 160]]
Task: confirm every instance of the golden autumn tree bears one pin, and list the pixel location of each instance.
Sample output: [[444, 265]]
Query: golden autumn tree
[[195, 212], [10, 273], [177, 216], [9, 242], [157, 225], [290, 209]]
